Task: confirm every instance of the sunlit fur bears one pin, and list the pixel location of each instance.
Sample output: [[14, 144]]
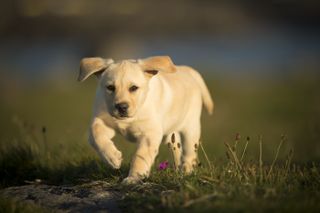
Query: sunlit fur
[[165, 102], [123, 75]]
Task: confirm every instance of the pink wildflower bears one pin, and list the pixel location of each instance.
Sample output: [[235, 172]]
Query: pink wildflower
[[163, 165]]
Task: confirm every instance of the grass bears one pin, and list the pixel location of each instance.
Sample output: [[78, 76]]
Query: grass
[[235, 183], [232, 185], [44, 133], [8, 205]]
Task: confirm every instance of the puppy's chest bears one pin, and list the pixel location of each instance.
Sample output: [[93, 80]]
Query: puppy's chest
[[128, 131]]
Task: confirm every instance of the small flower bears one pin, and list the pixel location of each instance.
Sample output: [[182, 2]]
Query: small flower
[[163, 165]]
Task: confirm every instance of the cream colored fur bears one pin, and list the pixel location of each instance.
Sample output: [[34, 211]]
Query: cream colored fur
[[169, 99]]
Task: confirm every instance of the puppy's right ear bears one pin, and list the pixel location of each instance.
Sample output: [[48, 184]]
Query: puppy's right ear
[[89, 66]]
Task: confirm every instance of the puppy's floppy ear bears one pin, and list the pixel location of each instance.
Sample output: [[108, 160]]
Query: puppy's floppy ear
[[89, 66], [153, 65]]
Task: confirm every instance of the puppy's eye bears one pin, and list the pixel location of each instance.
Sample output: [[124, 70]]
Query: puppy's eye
[[111, 88], [133, 88]]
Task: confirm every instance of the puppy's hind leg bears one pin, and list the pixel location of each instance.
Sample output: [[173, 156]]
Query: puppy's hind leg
[[173, 142], [190, 142]]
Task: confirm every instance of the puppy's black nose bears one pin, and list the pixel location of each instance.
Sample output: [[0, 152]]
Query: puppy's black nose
[[122, 107]]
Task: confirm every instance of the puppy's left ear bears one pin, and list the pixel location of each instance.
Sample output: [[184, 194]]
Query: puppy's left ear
[[89, 66], [151, 66]]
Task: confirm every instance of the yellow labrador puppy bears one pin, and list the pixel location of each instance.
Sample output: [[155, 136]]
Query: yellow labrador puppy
[[146, 101]]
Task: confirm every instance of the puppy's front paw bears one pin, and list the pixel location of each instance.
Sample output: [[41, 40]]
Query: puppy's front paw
[[131, 180], [114, 158]]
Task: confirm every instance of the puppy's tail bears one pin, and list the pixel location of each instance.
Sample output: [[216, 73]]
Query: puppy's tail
[[206, 97]]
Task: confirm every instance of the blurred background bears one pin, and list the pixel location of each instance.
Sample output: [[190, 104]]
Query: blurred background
[[260, 59]]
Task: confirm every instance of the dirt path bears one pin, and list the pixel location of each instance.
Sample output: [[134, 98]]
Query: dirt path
[[91, 197]]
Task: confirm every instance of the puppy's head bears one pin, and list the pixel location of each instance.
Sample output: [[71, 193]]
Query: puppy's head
[[124, 84]]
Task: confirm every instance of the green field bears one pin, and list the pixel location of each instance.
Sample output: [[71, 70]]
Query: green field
[[44, 136]]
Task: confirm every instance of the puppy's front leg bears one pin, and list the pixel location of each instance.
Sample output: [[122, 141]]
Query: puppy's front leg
[[100, 139], [148, 148]]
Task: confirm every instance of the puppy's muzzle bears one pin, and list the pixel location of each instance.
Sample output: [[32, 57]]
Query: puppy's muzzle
[[122, 108]]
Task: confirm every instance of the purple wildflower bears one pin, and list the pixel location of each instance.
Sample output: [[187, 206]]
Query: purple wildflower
[[163, 165]]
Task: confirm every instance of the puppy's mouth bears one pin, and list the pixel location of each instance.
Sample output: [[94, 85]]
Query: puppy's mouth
[[121, 116]]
